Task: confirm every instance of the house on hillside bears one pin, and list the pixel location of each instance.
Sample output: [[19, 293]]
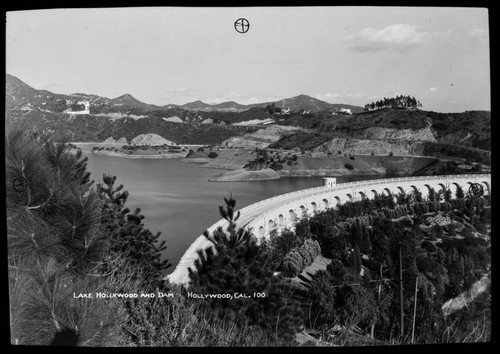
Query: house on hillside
[[341, 110], [281, 111]]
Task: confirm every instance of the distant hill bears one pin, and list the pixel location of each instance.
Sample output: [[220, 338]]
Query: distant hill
[[196, 105], [129, 101], [297, 103], [20, 94], [93, 99], [230, 106], [307, 103], [125, 116], [255, 113]]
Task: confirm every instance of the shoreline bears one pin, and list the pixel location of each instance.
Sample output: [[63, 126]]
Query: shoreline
[[146, 157], [243, 175], [232, 165]]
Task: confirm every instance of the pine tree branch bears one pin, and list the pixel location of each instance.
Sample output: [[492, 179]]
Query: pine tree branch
[[43, 204]]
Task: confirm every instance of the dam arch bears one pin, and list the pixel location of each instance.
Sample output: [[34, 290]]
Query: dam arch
[[271, 224]]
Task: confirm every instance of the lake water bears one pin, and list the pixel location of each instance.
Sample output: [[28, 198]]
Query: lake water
[[176, 198]]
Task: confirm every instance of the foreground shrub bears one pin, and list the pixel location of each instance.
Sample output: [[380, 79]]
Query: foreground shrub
[[237, 264]]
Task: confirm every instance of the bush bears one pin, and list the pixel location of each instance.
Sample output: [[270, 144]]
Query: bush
[[276, 166], [300, 257], [424, 264], [349, 166], [212, 155], [428, 246]]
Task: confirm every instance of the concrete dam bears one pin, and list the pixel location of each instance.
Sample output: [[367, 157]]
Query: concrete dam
[[285, 210]]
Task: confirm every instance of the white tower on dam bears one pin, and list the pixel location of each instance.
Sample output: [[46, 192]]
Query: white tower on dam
[[285, 210]]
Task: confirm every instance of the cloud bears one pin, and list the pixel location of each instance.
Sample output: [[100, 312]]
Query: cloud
[[398, 37], [432, 89], [327, 96]]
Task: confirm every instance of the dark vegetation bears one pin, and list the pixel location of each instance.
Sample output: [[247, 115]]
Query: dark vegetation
[[360, 288], [236, 117], [398, 102], [271, 159], [180, 133], [238, 264], [446, 150], [477, 123], [78, 128], [340, 124]]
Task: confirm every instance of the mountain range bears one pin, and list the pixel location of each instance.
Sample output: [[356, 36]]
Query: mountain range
[[467, 134], [20, 95]]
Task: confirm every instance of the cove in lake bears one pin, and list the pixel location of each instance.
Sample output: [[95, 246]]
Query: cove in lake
[[177, 199]]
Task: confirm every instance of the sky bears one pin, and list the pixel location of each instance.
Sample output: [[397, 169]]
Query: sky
[[349, 55]]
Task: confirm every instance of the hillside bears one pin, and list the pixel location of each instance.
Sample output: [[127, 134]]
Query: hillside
[[20, 95], [256, 113], [128, 101], [308, 103], [261, 138], [403, 132], [230, 106], [400, 131], [77, 128], [179, 133]]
